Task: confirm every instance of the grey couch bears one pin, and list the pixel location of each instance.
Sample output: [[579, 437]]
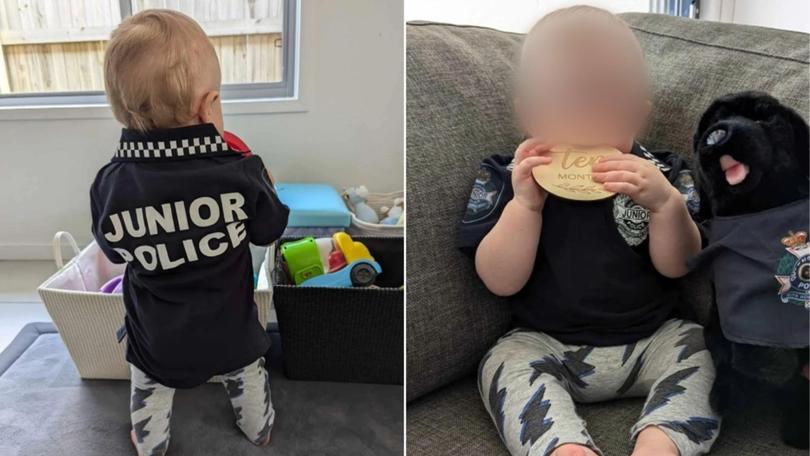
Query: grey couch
[[459, 111]]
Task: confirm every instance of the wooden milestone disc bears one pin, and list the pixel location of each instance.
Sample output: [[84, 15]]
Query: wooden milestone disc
[[569, 173]]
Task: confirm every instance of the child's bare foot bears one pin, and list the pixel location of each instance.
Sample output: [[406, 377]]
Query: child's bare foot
[[573, 449], [652, 441], [134, 442]]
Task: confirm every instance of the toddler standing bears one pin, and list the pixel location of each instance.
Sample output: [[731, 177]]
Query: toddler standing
[[179, 205]]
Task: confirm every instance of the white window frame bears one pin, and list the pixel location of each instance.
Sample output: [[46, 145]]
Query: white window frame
[[93, 104]]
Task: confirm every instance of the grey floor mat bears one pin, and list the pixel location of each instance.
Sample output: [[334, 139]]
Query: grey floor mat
[[46, 409]]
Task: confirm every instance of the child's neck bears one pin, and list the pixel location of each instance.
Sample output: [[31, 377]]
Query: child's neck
[[625, 147]]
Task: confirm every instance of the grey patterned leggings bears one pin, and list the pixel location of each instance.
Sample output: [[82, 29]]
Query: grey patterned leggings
[[151, 407], [530, 383]]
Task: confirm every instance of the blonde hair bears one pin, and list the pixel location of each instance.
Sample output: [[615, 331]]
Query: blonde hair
[[576, 12], [572, 13], [580, 10], [154, 66]]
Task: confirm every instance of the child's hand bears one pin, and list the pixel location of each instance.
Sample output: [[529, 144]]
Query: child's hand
[[637, 178], [530, 153]]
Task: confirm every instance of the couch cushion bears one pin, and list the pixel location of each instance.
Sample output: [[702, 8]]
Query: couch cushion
[[693, 62], [459, 111], [453, 421]]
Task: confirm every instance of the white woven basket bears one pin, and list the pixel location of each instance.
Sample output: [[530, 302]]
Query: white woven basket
[[376, 201], [88, 319]]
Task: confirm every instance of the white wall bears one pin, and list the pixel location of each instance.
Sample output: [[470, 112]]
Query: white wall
[[350, 132], [782, 14], [508, 15], [519, 15]]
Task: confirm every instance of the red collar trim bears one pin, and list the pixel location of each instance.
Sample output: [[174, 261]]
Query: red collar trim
[[236, 144]]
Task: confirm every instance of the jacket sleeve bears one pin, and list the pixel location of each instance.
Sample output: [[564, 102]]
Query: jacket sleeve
[[491, 190], [269, 215], [682, 178], [679, 174]]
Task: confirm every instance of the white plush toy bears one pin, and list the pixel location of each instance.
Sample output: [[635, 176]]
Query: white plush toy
[[357, 196], [394, 213]]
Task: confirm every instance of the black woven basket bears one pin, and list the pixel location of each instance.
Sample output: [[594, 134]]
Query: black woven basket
[[345, 334]]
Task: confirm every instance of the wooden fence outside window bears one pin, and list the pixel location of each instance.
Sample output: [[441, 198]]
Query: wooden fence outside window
[[58, 45]]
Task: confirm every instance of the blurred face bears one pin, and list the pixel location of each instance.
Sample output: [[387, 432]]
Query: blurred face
[[584, 85]]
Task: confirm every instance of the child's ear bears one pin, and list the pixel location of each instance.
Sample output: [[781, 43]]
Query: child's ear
[[643, 115], [206, 109], [521, 115], [644, 112]]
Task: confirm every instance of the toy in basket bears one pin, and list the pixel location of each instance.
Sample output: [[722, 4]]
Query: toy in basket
[[375, 213], [338, 261], [114, 285]]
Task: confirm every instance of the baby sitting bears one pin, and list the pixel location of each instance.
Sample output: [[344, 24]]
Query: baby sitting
[[589, 283]]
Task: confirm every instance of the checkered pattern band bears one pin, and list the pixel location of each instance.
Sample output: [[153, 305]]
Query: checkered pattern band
[[171, 148], [649, 156]]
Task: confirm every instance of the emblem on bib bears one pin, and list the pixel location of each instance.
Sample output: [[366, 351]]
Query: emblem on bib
[[632, 220], [486, 190], [793, 271]]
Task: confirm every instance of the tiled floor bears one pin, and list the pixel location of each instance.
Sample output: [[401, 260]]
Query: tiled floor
[[19, 302]]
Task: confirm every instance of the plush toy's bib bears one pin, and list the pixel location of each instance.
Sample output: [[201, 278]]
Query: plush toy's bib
[[761, 267]]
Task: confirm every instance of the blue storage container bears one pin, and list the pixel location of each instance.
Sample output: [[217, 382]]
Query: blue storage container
[[314, 205]]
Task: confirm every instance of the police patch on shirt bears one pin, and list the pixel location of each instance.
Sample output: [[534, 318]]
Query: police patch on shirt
[[685, 184], [632, 220], [486, 191], [793, 270]]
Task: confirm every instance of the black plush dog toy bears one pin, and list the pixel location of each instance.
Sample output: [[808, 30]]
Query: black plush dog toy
[[752, 154]]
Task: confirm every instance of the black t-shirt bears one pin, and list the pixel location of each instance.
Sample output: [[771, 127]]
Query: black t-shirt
[[180, 208], [593, 281]]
